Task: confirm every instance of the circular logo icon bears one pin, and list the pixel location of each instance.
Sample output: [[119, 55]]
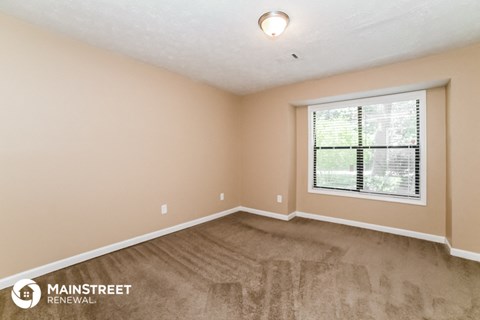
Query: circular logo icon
[[26, 293]]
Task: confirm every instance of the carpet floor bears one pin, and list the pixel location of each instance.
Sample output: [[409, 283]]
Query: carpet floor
[[250, 267]]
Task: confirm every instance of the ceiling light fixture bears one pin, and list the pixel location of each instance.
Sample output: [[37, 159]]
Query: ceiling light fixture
[[273, 23]]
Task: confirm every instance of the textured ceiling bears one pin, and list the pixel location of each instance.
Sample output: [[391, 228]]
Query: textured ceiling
[[219, 42]]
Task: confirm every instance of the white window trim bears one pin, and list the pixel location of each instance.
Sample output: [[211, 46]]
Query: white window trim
[[420, 95]]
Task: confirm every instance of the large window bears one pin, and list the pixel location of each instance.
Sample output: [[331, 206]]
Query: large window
[[371, 148]]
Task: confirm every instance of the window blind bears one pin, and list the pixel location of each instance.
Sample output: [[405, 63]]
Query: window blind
[[368, 148]]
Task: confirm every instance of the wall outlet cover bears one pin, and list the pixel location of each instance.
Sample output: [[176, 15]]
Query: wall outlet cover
[[279, 198], [164, 209]]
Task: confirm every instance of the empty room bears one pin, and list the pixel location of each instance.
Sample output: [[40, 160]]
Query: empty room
[[240, 160]]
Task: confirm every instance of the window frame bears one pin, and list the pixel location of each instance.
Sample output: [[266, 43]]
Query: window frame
[[414, 95]]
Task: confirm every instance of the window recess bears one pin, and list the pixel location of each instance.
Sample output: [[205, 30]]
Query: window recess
[[371, 148]]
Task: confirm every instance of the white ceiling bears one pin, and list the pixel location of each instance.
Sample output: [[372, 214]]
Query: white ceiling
[[220, 43]]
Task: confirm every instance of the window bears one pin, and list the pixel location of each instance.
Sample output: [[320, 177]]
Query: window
[[370, 148]]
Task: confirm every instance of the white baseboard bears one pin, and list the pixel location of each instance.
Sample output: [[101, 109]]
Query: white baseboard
[[397, 231], [376, 227], [269, 214], [402, 232], [469, 255], [291, 216], [448, 245], [60, 264]]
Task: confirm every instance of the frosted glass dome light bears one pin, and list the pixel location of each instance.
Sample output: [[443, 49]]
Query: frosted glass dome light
[[273, 23]]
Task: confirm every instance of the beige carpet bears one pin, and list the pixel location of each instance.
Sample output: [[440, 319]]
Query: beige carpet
[[249, 267]]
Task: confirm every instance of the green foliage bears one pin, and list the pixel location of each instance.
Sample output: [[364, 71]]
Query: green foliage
[[337, 127], [382, 124], [387, 184]]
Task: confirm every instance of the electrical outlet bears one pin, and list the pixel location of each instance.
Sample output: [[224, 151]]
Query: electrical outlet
[[164, 209], [279, 198], [222, 196]]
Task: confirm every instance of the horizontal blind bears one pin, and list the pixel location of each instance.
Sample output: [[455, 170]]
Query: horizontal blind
[[369, 148]]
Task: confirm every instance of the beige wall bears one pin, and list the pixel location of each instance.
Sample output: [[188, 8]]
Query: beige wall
[[268, 153], [92, 143], [265, 137], [428, 219], [448, 212]]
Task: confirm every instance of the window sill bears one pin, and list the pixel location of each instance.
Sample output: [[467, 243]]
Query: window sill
[[419, 202]]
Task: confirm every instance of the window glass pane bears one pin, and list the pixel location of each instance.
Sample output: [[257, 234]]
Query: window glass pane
[[389, 171], [336, 168], [392, 124], [369, 146], [336, 127]]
